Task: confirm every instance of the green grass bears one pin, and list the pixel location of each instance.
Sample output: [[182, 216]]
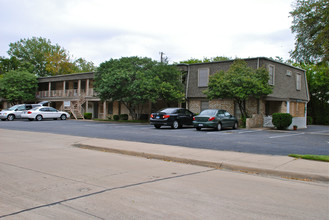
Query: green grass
[[324, 158]]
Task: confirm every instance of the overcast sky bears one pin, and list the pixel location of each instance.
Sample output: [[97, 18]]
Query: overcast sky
[[99, 30]]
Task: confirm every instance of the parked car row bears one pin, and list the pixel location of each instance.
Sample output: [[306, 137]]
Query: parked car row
[[32, 112], [209, 118]]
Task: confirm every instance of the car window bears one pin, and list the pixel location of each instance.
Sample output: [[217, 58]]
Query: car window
[[168, 110], [208, 112], [227, 114], [52, 109], [187, 112], [13, 108], [43, 109], [21, 108]]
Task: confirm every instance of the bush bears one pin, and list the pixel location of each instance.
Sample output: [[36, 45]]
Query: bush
[[116, 117], [87, 115], [144, 117], [281, 120], [123, 117]]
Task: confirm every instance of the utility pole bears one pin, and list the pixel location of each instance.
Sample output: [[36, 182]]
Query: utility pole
[[161, 57]]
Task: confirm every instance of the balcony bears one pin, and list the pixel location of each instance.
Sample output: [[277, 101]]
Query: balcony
[[69, 93]]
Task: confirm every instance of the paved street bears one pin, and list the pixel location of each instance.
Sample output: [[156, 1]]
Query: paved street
[[314, 140], [44, 177]]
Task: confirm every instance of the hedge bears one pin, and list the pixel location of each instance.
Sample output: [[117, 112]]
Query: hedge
[[88, 115]]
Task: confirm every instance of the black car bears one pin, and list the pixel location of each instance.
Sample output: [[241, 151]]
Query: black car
[[174, 117]]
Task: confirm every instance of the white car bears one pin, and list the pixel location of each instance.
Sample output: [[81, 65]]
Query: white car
[[44, 112], [16, 111]]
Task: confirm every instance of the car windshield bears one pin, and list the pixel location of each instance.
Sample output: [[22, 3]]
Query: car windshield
[[13, 108], [168, 110], [208, 112]]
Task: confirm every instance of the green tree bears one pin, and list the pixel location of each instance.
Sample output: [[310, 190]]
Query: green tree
[[8, 64], [83, 66], [206, 60], [134, 81], [318, 85], [47, 59], [311, 26], [240, 82], [18, 86]]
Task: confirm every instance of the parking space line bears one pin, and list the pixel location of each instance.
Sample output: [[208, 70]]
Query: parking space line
[[288, 135], [242, 132]]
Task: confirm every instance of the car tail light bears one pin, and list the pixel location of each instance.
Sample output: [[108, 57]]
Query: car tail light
[[152, 116], [166, 116], [29, 112], [211, 119], [193, 118]]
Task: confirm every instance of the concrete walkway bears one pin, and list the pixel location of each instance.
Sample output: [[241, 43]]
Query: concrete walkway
[[279, 166]]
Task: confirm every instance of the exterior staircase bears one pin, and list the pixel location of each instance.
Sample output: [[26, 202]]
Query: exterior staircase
[[76, 108]]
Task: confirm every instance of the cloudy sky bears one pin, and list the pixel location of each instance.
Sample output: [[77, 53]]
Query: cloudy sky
[[98, 30]]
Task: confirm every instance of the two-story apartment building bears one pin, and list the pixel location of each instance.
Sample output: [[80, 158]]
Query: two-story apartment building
[[289, 95]]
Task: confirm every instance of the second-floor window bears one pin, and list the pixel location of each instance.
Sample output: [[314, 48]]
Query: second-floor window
[[298, 81], [203, 77], [271, 71]]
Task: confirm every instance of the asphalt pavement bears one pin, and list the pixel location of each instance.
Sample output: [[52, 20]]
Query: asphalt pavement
[[271, 165]]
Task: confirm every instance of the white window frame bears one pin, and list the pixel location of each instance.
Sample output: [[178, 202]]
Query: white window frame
[[289, 73], [298, 82], [271, 81], [201, 83]]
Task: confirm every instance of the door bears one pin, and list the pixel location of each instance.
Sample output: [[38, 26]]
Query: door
[[95, 110]]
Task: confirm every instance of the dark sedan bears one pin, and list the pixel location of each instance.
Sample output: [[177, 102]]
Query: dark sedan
[[215, 118], [174, 117]]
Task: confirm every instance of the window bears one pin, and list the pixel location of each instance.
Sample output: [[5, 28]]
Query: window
[[271, 70], [110, 108], [298, 81], [203, 77], [288, 73]]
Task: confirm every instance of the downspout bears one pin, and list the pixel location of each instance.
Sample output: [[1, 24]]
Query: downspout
[[258, 63]]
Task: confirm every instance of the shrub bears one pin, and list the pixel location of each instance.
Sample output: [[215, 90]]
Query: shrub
[[281, 120], [116, 117], [123, 117], [87, 115], [144, 117]]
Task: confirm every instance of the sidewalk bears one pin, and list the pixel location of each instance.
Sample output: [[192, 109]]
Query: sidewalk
[[279, 166]]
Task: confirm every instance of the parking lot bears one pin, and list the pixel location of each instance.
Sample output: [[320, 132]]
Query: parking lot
[[313, 140]]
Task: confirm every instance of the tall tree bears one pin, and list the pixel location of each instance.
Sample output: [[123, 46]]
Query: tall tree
[[18, 86], [240, 82], [311, 26], [318, 85], [135, 81], [47, 59]]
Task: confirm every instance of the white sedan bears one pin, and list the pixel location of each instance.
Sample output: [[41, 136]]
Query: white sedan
[[44, 112]]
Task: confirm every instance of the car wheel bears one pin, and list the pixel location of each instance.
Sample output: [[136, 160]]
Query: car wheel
[[38, 117], [198, 129], [175, 125], [11, 117], [63, 117], [219, 127], [235, 126], [157, 126]]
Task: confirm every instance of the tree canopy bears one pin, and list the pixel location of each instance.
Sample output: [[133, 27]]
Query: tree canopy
[[240, 82], [41, 57], [205, 60], [135, 81], [311, 26], [18, 86]]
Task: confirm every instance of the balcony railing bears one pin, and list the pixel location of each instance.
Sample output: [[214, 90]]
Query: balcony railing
[[67, 93]]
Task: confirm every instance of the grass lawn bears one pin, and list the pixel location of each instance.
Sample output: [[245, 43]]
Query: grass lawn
[[324, 158]]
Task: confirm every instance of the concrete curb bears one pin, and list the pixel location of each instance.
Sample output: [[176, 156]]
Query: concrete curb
[[216, 165]]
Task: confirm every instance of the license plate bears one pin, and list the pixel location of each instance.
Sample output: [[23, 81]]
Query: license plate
[[200, 125], [158, 117]]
